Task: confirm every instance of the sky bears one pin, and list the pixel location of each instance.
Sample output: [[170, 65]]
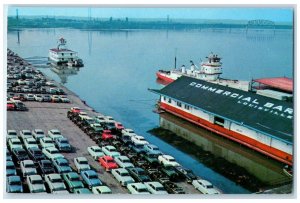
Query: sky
[[274, 14]]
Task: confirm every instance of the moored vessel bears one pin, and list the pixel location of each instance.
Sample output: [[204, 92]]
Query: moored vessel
[[209, 71]]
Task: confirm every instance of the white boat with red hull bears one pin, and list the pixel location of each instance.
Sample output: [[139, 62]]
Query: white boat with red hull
[[209, 71]]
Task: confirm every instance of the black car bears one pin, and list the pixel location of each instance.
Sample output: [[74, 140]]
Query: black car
[[45, 167], [20, 106], [35, 154], [158, 176], [139, 174], [19, 154], [173, 188], [186, 174], [170, 172]]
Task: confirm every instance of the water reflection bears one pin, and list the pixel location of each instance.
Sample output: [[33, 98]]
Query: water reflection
[[64, 72], [268, 171]]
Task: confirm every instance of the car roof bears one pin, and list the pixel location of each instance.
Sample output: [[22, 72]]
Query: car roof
[[62, 160], [55, 130], [14, 178], [73, 174], [205, 182], [167, 156], [28, 162], [54, 175], [35, 177], [81, 158], [90, 172], [138, 185], [122, 157], [155, 183]]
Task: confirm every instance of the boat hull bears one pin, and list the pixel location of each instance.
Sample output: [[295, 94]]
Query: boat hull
[[164, 77], [240, 138]]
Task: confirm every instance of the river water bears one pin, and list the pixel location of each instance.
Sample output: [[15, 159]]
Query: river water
[[120, 66]]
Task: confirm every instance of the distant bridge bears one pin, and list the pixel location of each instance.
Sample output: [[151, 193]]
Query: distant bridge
[[260, 24]]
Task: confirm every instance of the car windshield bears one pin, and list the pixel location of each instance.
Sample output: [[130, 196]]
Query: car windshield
[[124, 174], [37, 182], [48, 141], [172, 160], [111, 124], [152, 155], [56, 132], [83, 162], [56, 180], [112, 150], [10, 167], [141, 172], [139, 146], [97, 150], [155, 148], [21, 152], [110, 161], [37, 153], [75, 179], [12, 133], [27, 133], [126, 161], [16, 142], [47, 165], [64, 141], [15, 183], [40, 132], [142, 190], [93, 177], [209, 186], [31, 142], [54, 151], [159, 189], [29, 165]]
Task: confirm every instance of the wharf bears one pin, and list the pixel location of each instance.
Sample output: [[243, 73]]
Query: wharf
[[47, 116]]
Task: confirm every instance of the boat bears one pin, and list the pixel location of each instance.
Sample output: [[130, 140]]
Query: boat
[[209, 70], [261, 123], [61, 55]]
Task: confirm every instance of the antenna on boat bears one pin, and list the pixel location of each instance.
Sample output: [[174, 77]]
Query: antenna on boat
[[175, 56]]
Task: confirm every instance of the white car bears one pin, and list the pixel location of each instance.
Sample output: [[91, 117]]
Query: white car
[[25, 134], [137, 188], [122, 176], [137, 139], [38, 134], [11, 134], [38, 97], [27, 168], [205, 187], [110, 151], [156, 188], [124, 162], [47, 142], [101, 190], [36, 184], [128, 132], [52, 153], [109, 118], [64, 99], [81, 164], [167, 160], [95, 152], [54, 134], [30, 143]]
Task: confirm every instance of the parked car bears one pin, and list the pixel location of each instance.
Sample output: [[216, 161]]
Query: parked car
[[107, 135], [63, 145], [35, 154], [10, 106], [122, 176], [8, 155], [11, 134], [25, 134], [20, 106], [205, 187], [137, 188], [137, 148], [151, 158], [139, 174], [52, 153], [186, 174], [82, 191], [35, 184], [64, 99], [139, 140], [55, 134], [10, 169], [129, 132], [90, 178], [14, 143], [30, 143], [46, 142], [173, 188], [14, 184], [27, 168], [45, 167], [19, 154], [55, 183], [72, 181], [125, 138], [46, 98], [95, 152], [170, 172], [119, 126], [155, 188], [81, 164], [61, 166], [55, 98], [110, 151], [29, 97], [123, 162], [38, 134], [108, 163], [167, 160], [38, 98], [153, 149], [101, 190]]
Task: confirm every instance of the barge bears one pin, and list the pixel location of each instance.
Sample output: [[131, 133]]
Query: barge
[[258, 122]]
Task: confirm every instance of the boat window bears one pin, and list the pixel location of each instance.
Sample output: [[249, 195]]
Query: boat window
[[179, 104], [164, 98], [169, 100], [187, 107]]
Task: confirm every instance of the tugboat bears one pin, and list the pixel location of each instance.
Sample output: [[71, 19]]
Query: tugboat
[[209, 71], [64, 56]]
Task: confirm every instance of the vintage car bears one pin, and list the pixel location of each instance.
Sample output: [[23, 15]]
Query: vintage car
[[122, 176], [95, 152], [137, 188], [35, 184], [90, 178], [205, 187], [108, 163], [81, 164]]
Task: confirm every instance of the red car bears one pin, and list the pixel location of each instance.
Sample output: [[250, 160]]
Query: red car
[[75, 109], [10, 106], [106, 135], [119, 126], [108, 163]]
